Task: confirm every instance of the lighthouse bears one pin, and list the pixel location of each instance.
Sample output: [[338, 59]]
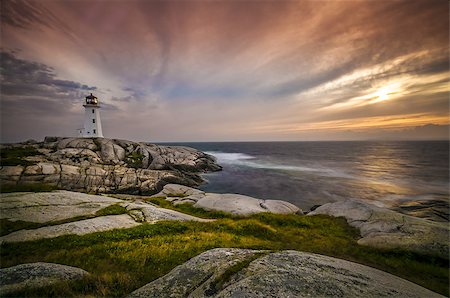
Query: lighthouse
[[92, 123]]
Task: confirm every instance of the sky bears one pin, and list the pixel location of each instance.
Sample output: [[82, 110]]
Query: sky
[[168, 71]]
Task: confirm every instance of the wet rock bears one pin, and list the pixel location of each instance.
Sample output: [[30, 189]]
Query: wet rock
[[384, 228]]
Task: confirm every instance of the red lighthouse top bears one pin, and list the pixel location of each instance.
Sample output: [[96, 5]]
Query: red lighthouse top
[[91, 100]]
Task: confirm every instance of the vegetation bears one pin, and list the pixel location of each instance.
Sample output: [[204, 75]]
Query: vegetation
[[125, 259], [134, 160], [223, 279], [38, 187], [189, 209], [115, 209], [8, 226], [15, 156]]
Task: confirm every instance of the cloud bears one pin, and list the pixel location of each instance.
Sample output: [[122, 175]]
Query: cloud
[[248, 69], [32, 97], [27, 78]]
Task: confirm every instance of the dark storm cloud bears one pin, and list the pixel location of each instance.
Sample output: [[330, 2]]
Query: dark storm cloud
[[32, 96], [27, 78]]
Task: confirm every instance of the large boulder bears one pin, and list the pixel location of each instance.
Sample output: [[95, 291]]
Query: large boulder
[[384, 228], [103, 165], [34, 275], [227, 272], [231, 203]]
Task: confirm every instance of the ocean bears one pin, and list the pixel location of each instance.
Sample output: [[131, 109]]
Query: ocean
[[410, 177]]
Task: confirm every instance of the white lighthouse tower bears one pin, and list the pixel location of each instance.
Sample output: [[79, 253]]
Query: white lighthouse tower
[[92, 123]]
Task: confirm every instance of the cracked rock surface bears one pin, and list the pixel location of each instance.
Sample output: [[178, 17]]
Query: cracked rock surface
[[383, 228], [49, 207], [231, 203], [103, 165], [280, 274]]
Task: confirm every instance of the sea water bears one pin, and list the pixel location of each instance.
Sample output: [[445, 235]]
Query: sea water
[[410, 177]]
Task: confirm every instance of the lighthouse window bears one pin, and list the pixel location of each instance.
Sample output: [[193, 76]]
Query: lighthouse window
[[94, 131], [93, 120], [93, 111]]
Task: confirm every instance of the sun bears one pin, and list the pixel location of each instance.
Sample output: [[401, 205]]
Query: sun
[[386, 92]]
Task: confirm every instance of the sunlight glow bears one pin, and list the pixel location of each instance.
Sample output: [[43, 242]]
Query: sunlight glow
[[386, 92]]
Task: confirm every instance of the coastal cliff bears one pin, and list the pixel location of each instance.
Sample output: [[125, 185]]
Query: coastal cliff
[[101, 165]]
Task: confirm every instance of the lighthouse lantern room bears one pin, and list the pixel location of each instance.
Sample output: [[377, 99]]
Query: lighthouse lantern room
[[92, 123]]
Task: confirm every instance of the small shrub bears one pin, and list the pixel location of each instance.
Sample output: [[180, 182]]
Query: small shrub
[[134, 160], [15, 156]]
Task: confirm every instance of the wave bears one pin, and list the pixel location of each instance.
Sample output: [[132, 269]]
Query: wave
[[229, 157], [243, 159]]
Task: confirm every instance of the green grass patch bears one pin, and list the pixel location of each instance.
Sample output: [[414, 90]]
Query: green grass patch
[[115, 209], [9, 226], [125, 259], [37, 187], [15, 156], [189, 209]]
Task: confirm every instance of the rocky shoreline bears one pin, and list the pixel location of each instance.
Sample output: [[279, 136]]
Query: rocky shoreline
[[100, 165], [116, 184]]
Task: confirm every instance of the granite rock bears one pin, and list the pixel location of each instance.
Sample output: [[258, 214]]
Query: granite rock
[[34, 275], [231, 203], [384, 228], [77, 211], [103, 165], [280, 274]]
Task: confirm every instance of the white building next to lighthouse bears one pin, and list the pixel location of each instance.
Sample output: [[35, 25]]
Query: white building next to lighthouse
[[92, 123]]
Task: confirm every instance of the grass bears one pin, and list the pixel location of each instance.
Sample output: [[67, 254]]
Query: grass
[[38, 187], [123, 260], [9, 226], [189, 209], [15, 156], [114, 209]]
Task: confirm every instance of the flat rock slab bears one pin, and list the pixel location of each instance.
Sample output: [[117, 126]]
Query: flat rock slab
[[36, 275], [384, 228], [97, 224], [281, 274], [50, 206], [230, 203]]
